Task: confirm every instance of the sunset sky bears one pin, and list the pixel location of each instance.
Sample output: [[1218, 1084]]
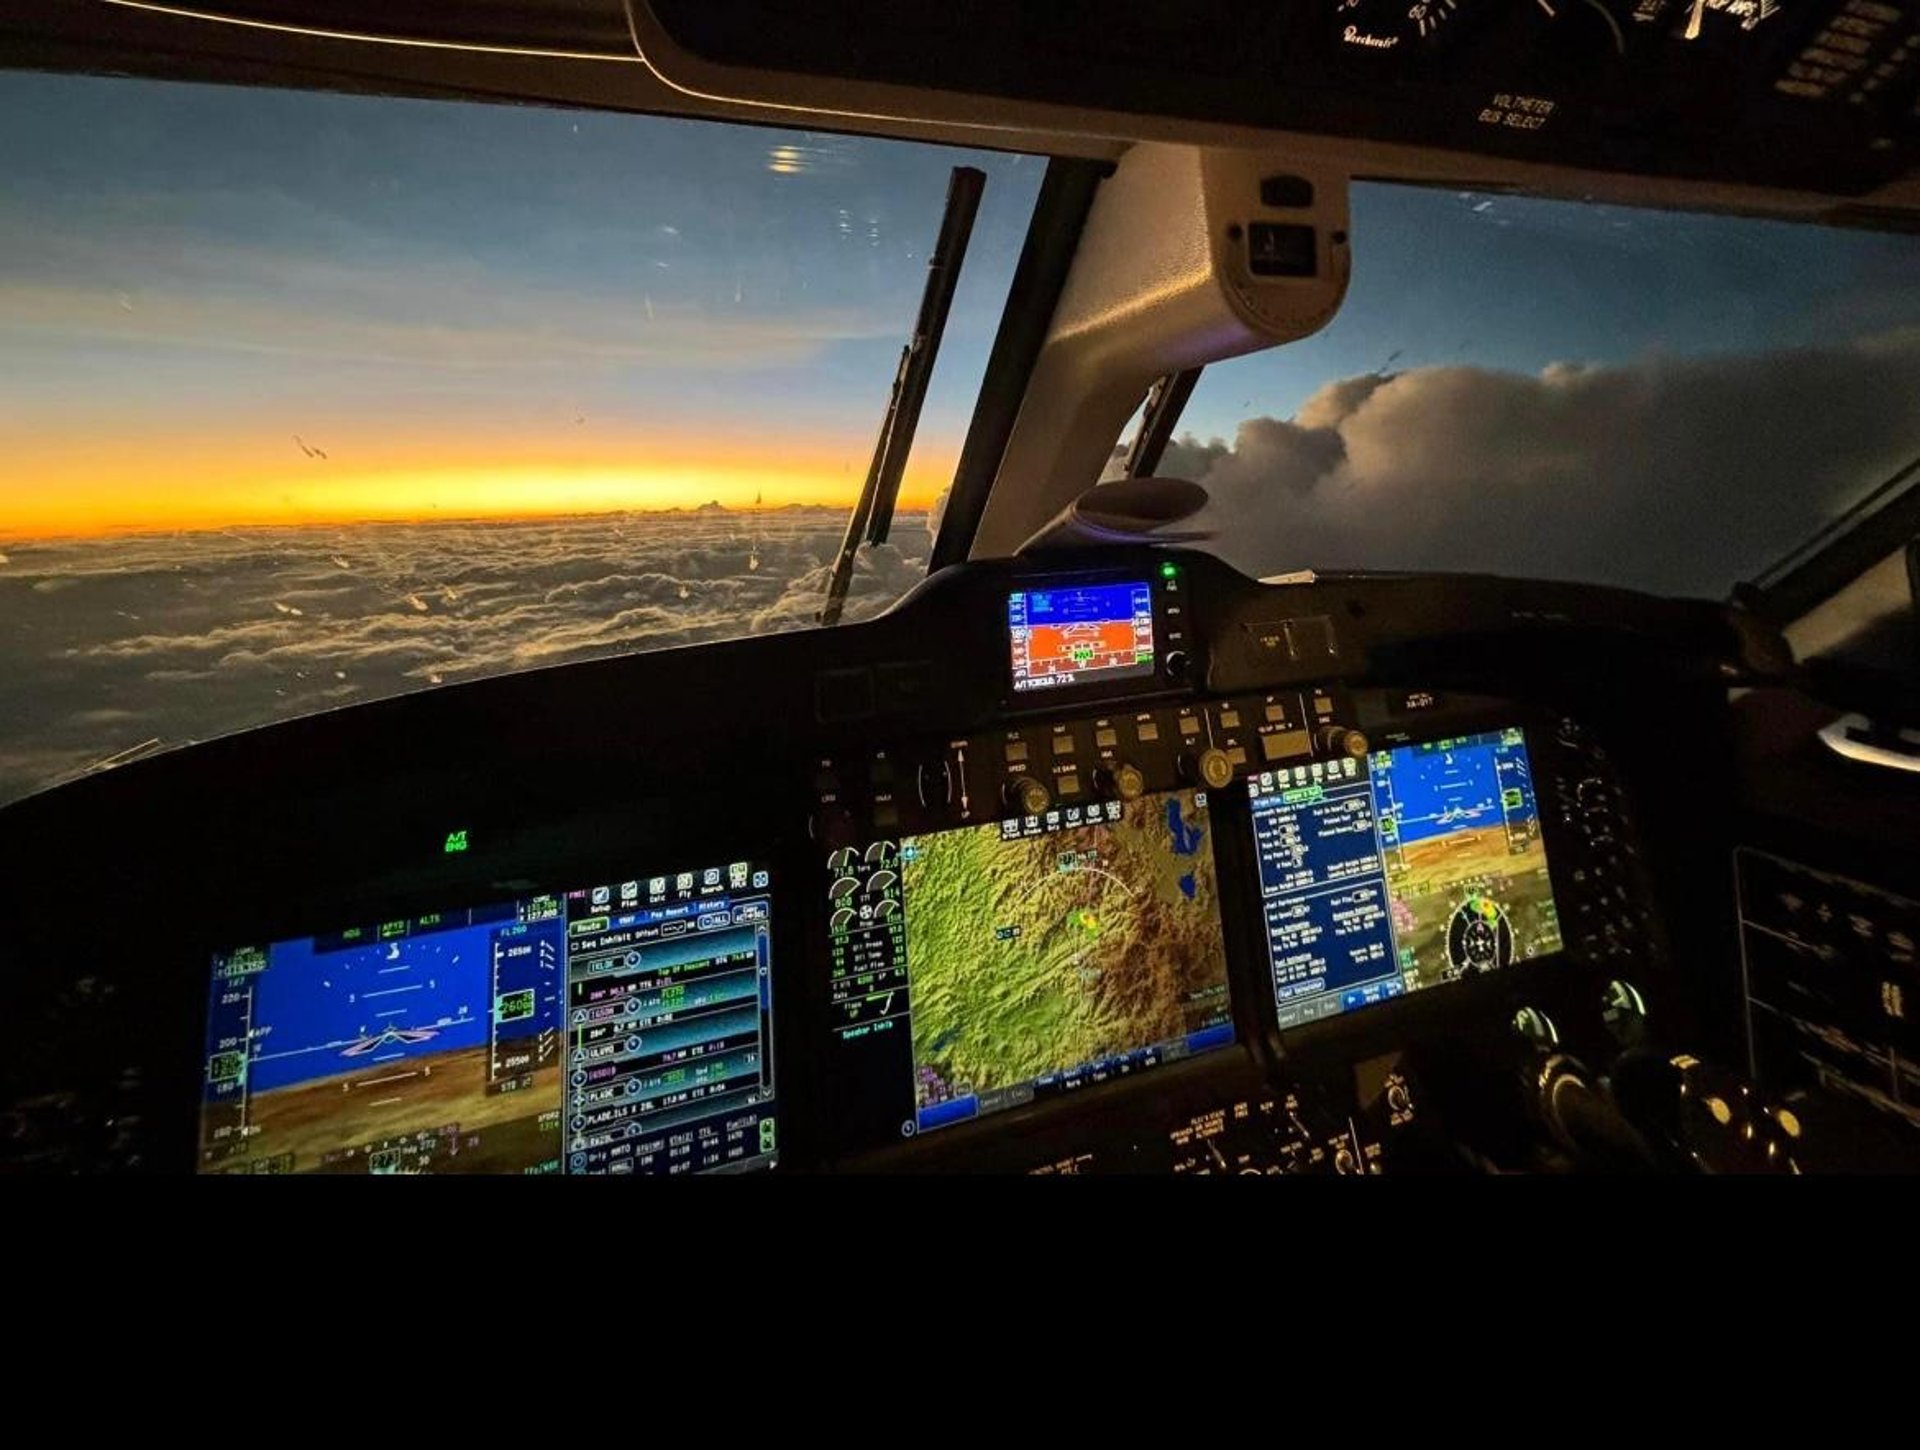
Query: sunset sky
[[468, 309], [497, 310]]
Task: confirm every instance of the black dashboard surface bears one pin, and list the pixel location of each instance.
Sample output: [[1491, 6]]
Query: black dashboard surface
[[777, 753]]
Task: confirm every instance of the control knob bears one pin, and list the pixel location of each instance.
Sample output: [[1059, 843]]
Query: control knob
[[1028, 796], [1121, 780], [1341, 740], [1209, 767]]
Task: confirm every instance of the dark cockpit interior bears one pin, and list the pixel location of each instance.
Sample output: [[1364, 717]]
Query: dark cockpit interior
[[1456, 770]]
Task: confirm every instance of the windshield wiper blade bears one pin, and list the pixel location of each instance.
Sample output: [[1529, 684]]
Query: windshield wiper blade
[[872, 516]]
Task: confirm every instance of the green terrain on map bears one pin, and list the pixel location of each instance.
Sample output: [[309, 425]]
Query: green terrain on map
[[1029, 956]]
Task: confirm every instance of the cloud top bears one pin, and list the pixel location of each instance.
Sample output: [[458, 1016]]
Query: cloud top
[[106, 644], [1679, 475]]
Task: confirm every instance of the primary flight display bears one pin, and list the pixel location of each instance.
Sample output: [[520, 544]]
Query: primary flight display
[[625, 1027], [1068, 635]]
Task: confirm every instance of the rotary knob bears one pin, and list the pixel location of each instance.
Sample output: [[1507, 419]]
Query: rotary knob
[[1341, 740], [1209, 767], [1121, 781], [1028, 796]]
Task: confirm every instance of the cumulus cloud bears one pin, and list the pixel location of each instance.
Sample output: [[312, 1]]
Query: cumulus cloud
[[1678, 475], [881, 574], [106, 644]]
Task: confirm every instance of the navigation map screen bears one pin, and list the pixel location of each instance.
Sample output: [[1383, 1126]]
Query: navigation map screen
[[1420, 865], [986, 967], [625, 1027], [1068, 636]]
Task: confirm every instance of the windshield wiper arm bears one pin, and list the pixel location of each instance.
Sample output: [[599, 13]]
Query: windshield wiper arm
[[872, 515], [1166, 400]]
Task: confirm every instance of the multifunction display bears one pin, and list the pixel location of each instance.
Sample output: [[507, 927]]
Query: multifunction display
[[979, 969], [1075, 634], [624, 1027], [1420, 865]]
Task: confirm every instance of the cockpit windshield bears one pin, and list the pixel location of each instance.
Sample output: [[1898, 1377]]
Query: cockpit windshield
[[1565, 390], [315, 398]]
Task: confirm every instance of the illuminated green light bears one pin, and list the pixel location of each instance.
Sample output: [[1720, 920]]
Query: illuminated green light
[[1167, 571], [456, 843]]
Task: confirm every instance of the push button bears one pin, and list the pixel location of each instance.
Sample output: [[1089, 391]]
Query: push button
[[1282, 743]]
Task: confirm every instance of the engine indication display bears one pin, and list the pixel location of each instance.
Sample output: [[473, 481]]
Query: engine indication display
[[1073, 634], [1421, 865], [624, 1027]]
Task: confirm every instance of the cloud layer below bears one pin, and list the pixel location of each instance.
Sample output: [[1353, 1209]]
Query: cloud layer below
[[106, 644]]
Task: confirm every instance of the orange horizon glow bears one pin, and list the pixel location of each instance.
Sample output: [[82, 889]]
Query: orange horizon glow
[[94, 498]]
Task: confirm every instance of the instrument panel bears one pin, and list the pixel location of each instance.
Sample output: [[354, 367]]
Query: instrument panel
[[1186, 907], [1074, 902]]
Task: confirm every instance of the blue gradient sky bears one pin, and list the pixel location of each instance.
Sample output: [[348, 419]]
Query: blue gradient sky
[[194, 274]]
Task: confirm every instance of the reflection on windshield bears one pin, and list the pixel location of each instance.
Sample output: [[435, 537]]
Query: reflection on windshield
[[316, 398], [1658, 400]]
